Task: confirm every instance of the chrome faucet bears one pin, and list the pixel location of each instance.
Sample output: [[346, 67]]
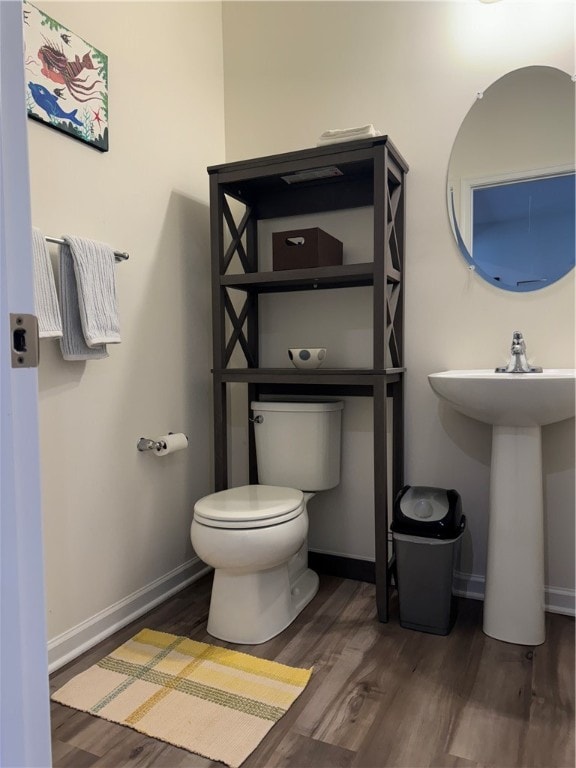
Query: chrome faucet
[[518, 362]]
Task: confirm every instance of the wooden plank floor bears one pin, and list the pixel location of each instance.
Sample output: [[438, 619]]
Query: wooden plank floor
[[380, 695]]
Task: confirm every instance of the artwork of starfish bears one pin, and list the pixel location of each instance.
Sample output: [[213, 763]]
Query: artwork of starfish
[[97, 116]]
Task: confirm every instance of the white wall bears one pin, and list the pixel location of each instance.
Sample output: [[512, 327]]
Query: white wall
[[117, 521], [293, 70]]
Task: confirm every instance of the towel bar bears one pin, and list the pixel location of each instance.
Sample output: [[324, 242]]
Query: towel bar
[[119, 255]]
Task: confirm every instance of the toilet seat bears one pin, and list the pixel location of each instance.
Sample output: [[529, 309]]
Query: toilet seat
[[250, 506]]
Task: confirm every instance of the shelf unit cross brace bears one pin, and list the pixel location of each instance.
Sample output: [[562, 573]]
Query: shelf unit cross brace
[[236, 246], [393, 250], [391, 341], [237, 334]]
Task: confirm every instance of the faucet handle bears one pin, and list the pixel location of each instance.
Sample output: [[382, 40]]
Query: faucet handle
[[518, 340]]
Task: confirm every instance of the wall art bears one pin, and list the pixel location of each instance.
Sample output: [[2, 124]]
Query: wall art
[[66, 79]]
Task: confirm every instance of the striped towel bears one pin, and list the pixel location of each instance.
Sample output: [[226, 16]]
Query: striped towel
[[73, 344], [88, 288], [45, 296], [96, 283]]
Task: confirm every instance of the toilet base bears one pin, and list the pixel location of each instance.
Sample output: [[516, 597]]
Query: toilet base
[[304, 589], [251, 608]]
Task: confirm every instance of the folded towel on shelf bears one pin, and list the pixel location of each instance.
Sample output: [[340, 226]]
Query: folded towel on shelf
[[45, 296], [337, 135], [73, 344]]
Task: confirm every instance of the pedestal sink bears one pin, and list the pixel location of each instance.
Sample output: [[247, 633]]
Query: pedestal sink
[[517, 405]]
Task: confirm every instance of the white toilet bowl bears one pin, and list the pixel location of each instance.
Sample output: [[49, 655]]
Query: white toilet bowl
[[255, 539]]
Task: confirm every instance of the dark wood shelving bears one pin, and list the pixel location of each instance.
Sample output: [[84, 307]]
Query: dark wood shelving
[[345, 276], [370, 172], [326, 382], [261, 183], [361, 376], [302, 279]]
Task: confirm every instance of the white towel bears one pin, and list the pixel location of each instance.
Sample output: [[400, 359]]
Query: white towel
[[73, 344], [338, 135], [45, 296], [96, 283]]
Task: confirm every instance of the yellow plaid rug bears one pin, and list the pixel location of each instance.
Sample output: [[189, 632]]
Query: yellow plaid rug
[[209, 700]]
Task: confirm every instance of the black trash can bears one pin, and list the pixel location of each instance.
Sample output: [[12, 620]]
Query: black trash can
[[427, 528]]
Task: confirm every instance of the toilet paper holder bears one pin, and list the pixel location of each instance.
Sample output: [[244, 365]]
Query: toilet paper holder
[[163, 445], [146, 444]]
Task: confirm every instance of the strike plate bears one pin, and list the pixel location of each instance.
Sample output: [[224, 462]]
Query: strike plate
[[24, 344]]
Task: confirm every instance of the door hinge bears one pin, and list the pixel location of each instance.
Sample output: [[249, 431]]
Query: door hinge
[[24, 344]]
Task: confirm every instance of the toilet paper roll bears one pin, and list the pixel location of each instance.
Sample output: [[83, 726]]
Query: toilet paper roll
[[170, 443]]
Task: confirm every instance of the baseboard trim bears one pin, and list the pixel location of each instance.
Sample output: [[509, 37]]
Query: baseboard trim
[[345, 567], [83, 636], [556, 599], [469, 585], [560, 601]]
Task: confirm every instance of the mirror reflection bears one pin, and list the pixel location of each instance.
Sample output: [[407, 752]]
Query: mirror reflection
[[511, 180]]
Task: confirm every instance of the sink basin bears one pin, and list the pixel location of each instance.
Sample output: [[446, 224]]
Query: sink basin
[[509, 399], [517, 405]]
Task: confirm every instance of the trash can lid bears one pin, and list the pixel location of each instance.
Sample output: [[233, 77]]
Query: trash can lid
[[422, 510], [425, 503]]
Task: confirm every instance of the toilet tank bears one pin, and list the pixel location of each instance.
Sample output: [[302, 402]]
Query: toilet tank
[[298, 443]]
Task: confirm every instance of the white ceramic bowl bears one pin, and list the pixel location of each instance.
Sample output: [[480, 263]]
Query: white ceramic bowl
[[307, 357]]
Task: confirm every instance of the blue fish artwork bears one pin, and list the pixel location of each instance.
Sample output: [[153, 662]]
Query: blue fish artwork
[[49, 103], [66, 79]]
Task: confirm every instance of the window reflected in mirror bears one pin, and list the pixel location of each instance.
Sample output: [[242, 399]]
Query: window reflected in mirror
[[511, 181]]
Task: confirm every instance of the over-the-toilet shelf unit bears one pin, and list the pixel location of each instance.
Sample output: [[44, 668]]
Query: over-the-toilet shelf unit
[[373, 174]]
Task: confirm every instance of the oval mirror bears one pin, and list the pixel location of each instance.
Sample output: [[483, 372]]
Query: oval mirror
[[511, 180]]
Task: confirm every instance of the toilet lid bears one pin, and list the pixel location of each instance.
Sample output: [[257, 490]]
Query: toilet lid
[[250, 506]]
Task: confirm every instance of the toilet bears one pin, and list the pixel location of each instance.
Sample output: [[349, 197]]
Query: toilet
[[255, 536]]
